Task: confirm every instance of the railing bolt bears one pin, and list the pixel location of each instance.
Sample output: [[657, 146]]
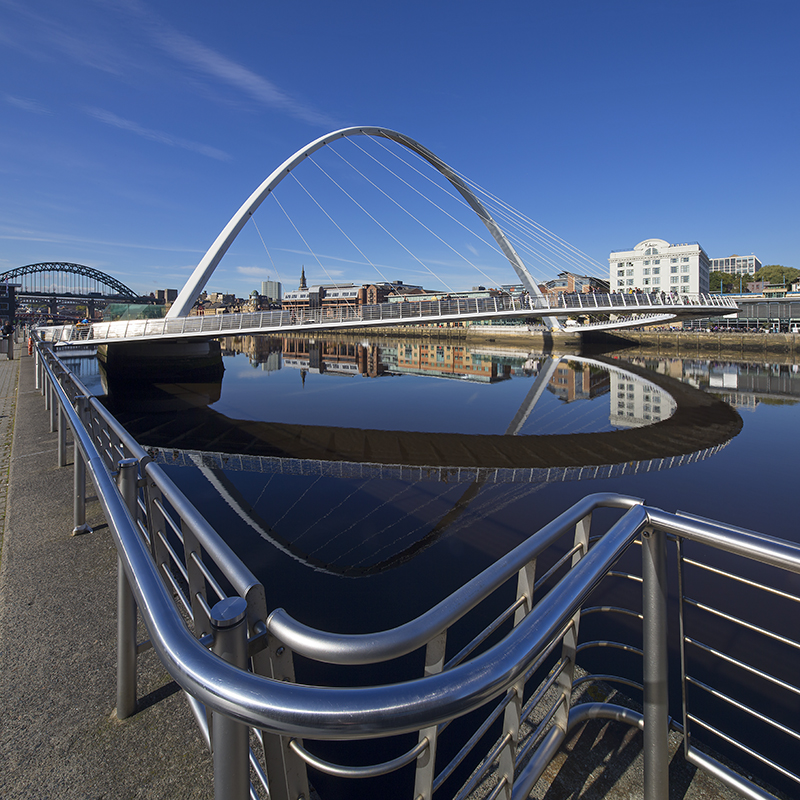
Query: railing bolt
[[279, 651]]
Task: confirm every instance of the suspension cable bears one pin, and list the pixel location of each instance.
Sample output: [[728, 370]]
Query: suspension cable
[[269, 255], [360, 251], [383, 228], [416, 219], [491, 244], [310, 250]]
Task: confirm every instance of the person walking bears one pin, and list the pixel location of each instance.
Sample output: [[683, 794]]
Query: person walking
[[8, 335]]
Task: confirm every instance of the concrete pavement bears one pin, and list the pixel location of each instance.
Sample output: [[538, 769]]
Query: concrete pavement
[[59, 736]]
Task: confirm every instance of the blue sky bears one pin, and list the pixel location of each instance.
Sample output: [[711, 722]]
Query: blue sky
[[131, 131]]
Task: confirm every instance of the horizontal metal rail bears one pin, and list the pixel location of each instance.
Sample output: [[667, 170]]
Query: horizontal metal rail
[[337, 648], [165, 546]]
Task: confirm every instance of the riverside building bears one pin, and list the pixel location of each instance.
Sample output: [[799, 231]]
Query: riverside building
[[655, 265], [333, 296], [736, 265]]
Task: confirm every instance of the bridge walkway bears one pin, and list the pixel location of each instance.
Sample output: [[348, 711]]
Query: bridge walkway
[[627, 309], [59, 736]]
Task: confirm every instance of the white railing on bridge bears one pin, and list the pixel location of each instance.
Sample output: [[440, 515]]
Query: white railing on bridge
[[448, 309]]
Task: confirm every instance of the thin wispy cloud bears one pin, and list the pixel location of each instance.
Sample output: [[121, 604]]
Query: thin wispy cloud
[[43, 36], [155, 136], [116, 51], [255, 272], [207, 61], [22, 235], [26, 104], [204, 59]]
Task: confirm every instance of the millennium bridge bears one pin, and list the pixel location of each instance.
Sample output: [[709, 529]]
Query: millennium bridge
[[580, 312]]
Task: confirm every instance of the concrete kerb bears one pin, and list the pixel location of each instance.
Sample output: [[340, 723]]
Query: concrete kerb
[[59, 735]]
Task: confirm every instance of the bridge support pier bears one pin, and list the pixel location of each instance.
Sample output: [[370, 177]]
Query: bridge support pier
[[171, 361]]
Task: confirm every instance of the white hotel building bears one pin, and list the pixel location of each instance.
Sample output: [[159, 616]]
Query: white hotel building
[[658, 266]]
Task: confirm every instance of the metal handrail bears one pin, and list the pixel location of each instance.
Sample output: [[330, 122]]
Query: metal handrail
[[290, 710], [337, 648]]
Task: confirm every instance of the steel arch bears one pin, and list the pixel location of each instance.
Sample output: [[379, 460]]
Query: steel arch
[[75, 269], [191, 291]]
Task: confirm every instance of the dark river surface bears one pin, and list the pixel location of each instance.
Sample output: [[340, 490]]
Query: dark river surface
[[363, 481]]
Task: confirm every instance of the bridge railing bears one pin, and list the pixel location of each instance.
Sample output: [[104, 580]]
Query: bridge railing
[[441, 309], [208, 622]]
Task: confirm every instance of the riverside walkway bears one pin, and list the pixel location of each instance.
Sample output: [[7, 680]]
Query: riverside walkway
[[59, 737]]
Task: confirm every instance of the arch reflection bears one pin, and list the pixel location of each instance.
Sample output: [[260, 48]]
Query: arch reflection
[[469, 468]]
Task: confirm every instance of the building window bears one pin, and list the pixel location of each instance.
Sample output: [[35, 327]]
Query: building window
[[620, 273], [684, 267], [656, 270], [647, 262], [673, 270], [673, 279], [657, 261], [629, 282], [673, 261], [628, 272], [685, 259], [656, 281], [684, 279], [647, 281]]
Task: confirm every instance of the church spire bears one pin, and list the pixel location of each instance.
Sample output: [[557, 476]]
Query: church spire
[[303, 278]]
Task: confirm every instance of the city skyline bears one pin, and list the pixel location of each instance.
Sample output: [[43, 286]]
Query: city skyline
[[132, 132]]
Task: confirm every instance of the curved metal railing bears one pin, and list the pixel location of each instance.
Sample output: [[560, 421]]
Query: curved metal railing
[[520, 668], [440, 310]]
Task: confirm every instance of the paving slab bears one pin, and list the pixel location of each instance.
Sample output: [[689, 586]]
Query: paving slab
[[59, 736]]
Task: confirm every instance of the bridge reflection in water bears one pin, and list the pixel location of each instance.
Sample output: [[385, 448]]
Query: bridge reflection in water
[[435, 484]]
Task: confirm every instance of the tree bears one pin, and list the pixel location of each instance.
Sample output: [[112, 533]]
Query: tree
[[777, 274], [725, 282]]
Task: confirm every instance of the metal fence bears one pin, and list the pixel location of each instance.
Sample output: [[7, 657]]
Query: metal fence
[[208, 622], [442, 309]]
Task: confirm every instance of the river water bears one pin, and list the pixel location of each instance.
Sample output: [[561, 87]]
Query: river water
[[364, 481]]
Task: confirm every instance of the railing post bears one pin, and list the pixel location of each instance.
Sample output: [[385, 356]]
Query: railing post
[[526, 580], [79, 469], [426, 760], [569, 645], [52, 403], [656, 710], [229, 739], [127, 479], [62, 435], [37, 367]]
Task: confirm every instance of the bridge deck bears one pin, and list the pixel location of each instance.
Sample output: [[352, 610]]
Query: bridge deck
[[622, 310]]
